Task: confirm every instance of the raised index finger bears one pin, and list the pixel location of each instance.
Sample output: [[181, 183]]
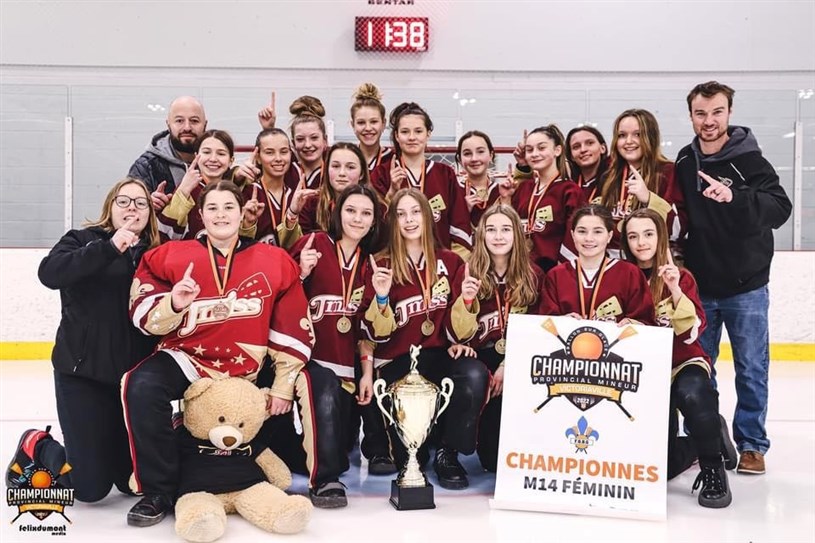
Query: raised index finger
[[374, 267], [467, 269], [309, 242], [188, 273], [254, 192], [670, 257], [274, 99]]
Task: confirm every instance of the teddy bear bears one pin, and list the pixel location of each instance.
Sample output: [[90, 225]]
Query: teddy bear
[[224, 471]]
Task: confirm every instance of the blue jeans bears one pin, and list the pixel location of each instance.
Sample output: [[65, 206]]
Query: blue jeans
[[745, 316]]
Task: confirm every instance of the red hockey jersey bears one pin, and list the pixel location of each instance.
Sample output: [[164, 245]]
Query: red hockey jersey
[[384, 157], [263, 309], [545, 216], [400, 326], [622, 292], [446, 199], [324, 289]]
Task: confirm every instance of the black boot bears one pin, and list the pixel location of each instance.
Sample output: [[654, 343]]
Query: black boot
[[450, 472], [715, 491], [381, 465], [731, 457], [150, 510], [328, 495]]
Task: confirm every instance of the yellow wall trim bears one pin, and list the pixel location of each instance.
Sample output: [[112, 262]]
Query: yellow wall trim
[[791, 352]]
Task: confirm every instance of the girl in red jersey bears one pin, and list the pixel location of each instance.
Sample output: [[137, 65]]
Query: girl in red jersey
[[410, 130], [414, 305], [596, 286], [547, 200], [220, 303], [333, 265], [475, 153], [510, 283], [181, 218], [368, 122], [269, 199], [645, 243], [587, 156], [639, 176]]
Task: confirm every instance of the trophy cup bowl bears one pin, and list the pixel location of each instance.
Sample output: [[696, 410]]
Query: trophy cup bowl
[[415, 405]]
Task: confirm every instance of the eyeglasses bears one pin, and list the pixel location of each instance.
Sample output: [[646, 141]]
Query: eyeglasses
[[124, 202]]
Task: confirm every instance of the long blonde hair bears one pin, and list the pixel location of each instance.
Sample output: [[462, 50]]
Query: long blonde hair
[[105, 220], [655, 281], [652, 158], [397, 251], [522, 283]]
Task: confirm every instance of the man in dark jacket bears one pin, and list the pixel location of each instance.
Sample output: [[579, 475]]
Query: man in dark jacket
[[164, 163], [734, 201]]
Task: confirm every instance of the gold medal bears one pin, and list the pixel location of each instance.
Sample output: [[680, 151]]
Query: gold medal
[[428, 327], [221, 311], [344, 325], [501, 346]]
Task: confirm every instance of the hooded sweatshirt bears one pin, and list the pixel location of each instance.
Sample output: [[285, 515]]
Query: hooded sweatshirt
[[159, 163], [730, 245]]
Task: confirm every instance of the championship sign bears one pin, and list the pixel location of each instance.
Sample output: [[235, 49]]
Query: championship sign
[[584, 423]]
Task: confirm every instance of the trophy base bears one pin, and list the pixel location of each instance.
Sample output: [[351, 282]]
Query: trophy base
[[412, 498]]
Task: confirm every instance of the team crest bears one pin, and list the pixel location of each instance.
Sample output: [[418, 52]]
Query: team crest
[[437, 205], [586, 371], [582, 436]]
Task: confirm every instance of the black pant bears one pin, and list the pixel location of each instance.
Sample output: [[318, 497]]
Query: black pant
[[693, 394], [457, 428], [147, 391], [489, 426], [96, 445], [324, 409]]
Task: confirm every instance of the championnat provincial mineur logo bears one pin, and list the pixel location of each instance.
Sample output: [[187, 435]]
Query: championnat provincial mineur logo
[[585, 371], [32, 487]]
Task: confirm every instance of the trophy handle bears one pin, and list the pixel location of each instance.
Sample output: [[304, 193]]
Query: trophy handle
[[380, 394], [446, 391]]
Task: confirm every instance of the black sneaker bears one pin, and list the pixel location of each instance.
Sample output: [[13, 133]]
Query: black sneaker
[[328, 495], [381, 465], [715, 491], [731, 457], [150, 510], [450, 472], [36, 449]]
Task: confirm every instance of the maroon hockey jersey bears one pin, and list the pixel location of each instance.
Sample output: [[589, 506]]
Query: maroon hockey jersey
[[400, 326], [271, 220], [621, 292], [324, 289], [446, 199], [262, 310], [545, 216], [488, 195]]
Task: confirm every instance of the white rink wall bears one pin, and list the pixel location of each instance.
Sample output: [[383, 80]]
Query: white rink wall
[[29, 312]]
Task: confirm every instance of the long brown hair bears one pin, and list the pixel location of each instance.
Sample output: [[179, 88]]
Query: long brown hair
[[397, 251], [105, 220], [652, 158], [327, 195], [522, 283], [655, 281]]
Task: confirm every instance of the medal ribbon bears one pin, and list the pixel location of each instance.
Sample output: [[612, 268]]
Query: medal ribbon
[[221, 283], [348, 289], [533, 203], [595, 289], [283, 205], [425, 285], [503, 311], [623, 190], [421, 177], [468, 186]]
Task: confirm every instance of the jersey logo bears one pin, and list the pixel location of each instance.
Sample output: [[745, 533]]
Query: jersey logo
[[208, 311], [437, 205], [410, 307], [331, 304], [609, 309]]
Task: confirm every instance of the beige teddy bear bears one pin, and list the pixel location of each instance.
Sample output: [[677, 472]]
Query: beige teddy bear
[[224, 471]]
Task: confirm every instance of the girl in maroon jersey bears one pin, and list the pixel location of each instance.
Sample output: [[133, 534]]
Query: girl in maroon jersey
[[596, 286], [333, 265], [268, 200], [547, 200], [310, 140], [510, 283], [414, 304], [639, 175], [411, 128], [587, 156], [475, 153], [645, 243], [215, 153], [368, 122]]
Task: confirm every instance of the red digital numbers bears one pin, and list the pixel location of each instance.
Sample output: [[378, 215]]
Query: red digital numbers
[[392, 34]]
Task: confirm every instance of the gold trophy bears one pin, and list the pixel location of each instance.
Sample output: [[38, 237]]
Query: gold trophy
[[415, 405]]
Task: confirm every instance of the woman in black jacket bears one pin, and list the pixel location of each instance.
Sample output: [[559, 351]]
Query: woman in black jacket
[[96, 342]]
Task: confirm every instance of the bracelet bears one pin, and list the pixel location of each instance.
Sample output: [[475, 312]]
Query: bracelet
[[382, 300], [366, 358]]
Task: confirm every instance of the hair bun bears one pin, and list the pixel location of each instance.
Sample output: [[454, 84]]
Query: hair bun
[[307, 105], [367, 91]]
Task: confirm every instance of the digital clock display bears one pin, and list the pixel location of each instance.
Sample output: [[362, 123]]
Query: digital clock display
[[392, 34]]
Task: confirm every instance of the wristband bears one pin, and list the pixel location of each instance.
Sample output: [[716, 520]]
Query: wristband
[[382, 300], [366, 358]]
